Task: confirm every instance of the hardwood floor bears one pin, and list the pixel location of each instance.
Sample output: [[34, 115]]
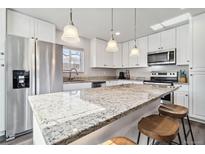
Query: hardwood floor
[[198, 131]]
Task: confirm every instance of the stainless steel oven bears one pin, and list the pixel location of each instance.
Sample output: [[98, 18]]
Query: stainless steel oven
[[162, 57], [163, 78]]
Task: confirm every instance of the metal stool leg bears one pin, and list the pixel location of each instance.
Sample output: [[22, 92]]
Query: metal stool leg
[[148, 138], [192, 136], [138, 138], [153, 141], [180, 141], [184, 130]]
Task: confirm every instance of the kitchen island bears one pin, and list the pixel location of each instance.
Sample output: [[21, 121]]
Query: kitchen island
[[91, 116]]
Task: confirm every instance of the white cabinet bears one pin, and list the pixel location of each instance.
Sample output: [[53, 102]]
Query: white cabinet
[[2, 32], [198, 53], [98, 56], [168, 39], [162, 41], [117, 57], [125, 54], [28, 27], [133, 60], [76, 86], [142, 44], [19, 24], [45, 31], [197, 96], [2, 97], [154, 42], [181, 96], [182, 45]]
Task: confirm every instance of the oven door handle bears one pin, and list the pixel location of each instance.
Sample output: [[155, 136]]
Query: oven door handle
[[168, 58]]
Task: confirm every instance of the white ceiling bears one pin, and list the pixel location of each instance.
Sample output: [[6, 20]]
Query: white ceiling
[[96, 22]]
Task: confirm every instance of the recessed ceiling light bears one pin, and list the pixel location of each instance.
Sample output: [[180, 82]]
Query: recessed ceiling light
[[176, 20], [156, 27], [117, 33]]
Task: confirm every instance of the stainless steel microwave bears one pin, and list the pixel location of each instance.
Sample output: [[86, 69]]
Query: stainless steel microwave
[[162, 57]]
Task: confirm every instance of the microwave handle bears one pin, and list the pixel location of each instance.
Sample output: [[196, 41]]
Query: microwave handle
[[168, 58]]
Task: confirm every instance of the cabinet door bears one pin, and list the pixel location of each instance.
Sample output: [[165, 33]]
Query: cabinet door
[[168, 39], [117, 58], [125, 54], [198, 54], [197, 97], [142, 44], [2, 32], [181, 98], [19, 24], [100, 50], [133, 60], [108, 58], [45, 31], [2, 97], [154, 42], [182, 45]]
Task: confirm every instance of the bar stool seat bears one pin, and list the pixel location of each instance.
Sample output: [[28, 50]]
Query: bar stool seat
[[119, 141], [173, 110], [158, 128], [178, 112]]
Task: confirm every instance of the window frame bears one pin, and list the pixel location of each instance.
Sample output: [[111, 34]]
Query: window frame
[[82, 58]]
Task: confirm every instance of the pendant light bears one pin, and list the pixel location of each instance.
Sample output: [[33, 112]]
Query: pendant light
[[135, 50], [112, 44], [70, 32]]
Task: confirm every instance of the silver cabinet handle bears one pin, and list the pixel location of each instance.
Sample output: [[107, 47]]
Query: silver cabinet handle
[[2, 53], [187, 61], [190, 68], [2, 65]]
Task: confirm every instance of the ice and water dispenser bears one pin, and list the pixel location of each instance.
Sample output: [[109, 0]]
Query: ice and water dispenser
[[21, 79]]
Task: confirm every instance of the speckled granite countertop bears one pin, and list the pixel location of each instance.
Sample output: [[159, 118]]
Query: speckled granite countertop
[[67, 116]]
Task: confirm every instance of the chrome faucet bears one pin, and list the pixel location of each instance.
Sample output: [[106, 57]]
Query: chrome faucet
[[70, 71]]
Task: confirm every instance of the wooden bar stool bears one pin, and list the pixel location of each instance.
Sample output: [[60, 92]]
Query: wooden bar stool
[[119, 141], [158, 128], [178, 112]]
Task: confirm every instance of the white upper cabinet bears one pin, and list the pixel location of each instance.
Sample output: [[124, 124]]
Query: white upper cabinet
[[197, 61], [142, 44], [182, 44], [133, 60], [2, 32], [99, 57], [154, 42], [25, 26], [168, 39], [125, 54], [162, 41], [45, 31], [117, 57], [19, 24]]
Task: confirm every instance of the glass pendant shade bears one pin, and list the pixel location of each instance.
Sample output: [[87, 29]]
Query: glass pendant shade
[[70, 34], [112, 46], [134, 51]]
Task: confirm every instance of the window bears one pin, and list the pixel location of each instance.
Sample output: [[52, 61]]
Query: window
[[73, 58]]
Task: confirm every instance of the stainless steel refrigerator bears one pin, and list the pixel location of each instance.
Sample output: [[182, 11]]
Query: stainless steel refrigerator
[[32, 67]]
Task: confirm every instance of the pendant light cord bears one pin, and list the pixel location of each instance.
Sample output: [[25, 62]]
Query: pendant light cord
[[135, 25], [112, 23], [71, 17]]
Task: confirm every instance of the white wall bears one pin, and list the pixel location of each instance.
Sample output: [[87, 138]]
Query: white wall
[[85, 44]]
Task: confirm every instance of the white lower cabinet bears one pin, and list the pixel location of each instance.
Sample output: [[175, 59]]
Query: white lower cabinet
[[76, 86], [197, 95], [2, 97], [181, 96]]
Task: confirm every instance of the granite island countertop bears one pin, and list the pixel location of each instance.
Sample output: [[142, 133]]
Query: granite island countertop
[[67, 116]]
